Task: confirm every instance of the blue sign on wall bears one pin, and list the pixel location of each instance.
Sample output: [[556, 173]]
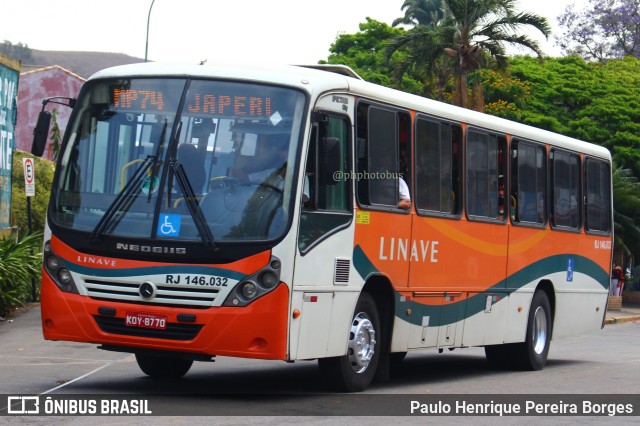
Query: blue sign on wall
[[9, 76]]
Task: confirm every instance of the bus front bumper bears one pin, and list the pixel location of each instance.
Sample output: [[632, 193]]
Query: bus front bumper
[[258, 330]]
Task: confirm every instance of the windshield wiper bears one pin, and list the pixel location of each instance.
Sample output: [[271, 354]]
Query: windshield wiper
[[133, 185], [176, 171], [192, 204], [125, 196]]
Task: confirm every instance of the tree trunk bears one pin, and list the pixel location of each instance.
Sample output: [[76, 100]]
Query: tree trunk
[[477, 97], [460, 97]]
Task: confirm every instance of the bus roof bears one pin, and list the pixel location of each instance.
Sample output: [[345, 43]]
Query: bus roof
[[322, 79]]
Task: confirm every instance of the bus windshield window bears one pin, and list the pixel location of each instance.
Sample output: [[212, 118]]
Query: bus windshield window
[[157, 158]]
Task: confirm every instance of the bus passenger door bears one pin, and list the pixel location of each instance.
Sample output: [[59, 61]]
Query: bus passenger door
[[325, 235]]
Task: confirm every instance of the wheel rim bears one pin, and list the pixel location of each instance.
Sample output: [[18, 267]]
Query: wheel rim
[[362, 343], [539, 330]]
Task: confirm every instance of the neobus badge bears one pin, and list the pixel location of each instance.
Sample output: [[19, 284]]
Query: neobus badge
[[150, 249]]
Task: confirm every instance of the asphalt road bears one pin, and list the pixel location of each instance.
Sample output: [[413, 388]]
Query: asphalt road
[[605, 362]]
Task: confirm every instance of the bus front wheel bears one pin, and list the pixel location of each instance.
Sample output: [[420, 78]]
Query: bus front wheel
[[354, 371], [163, 367]]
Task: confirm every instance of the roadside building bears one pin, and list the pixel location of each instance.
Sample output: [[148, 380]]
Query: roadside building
[[35, 86]]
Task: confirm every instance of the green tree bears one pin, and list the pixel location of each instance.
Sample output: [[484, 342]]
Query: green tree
[[505, 96], [462, 33], [364, 53], [626, 211], [596, 102]]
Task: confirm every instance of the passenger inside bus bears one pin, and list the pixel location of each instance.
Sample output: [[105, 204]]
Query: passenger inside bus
[[404, 196]]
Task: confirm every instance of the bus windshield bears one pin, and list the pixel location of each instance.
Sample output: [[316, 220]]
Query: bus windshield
[[179, 159]]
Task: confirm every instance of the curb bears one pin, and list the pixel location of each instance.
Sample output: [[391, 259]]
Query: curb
[[617, 320]]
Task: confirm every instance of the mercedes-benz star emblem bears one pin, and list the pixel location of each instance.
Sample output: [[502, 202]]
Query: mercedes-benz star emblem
[[147, 290]]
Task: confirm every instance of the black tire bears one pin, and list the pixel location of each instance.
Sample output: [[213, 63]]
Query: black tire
[[532, 353], [499, 357], [354, 371], [163, 367], [397, 357]]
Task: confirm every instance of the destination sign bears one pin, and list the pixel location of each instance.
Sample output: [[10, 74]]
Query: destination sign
[[224, 104]]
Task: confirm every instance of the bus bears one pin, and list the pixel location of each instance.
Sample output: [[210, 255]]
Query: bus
[[222, 210]]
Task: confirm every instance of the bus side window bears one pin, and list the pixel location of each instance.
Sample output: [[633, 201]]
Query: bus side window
[[565, 189], [437, 167], [326, 189], [384, 155], [485, 175], [528, 183], [597, 191]]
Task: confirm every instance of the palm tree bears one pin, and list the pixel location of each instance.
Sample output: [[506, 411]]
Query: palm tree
[[460, 34]]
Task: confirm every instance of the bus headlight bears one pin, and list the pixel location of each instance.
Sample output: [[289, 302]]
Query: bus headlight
[[256, 285], [268, 279], [52, 262], [57, 270], [65, 276], [249, 290]]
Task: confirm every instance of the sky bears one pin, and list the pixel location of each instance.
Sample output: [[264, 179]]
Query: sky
[[275, 31]]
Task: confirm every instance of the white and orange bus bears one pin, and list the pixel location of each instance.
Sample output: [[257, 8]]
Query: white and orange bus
[[253, 212]]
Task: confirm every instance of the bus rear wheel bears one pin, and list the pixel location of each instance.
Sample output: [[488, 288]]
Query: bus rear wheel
[[500, 357], [354, 371], [532, 353], [163, 367]]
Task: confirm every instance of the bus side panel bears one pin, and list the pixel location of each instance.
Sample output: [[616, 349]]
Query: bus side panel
[[575, 264], [465, 261], [578, 312], [458, 255], [518, 316], [385, 239], [486, 319], [322, 329]]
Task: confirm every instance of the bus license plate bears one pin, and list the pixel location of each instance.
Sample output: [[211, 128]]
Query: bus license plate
[[145, 320]]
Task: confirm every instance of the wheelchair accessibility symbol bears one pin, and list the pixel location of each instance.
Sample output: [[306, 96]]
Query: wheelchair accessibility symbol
[[169, 225], [570, 270]]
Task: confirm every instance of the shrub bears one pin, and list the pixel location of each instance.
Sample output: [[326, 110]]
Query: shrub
[[19, 262]]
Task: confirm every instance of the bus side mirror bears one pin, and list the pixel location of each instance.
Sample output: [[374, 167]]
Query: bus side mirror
[[41, 133], [329, 160]]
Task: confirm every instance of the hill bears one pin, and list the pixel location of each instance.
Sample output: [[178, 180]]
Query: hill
[[82, 63]]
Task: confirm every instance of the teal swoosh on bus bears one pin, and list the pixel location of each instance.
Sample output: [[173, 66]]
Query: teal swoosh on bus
[[457, 311], [155, 270]]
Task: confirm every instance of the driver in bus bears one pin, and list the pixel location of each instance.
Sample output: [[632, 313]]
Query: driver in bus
[[269, 164]]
